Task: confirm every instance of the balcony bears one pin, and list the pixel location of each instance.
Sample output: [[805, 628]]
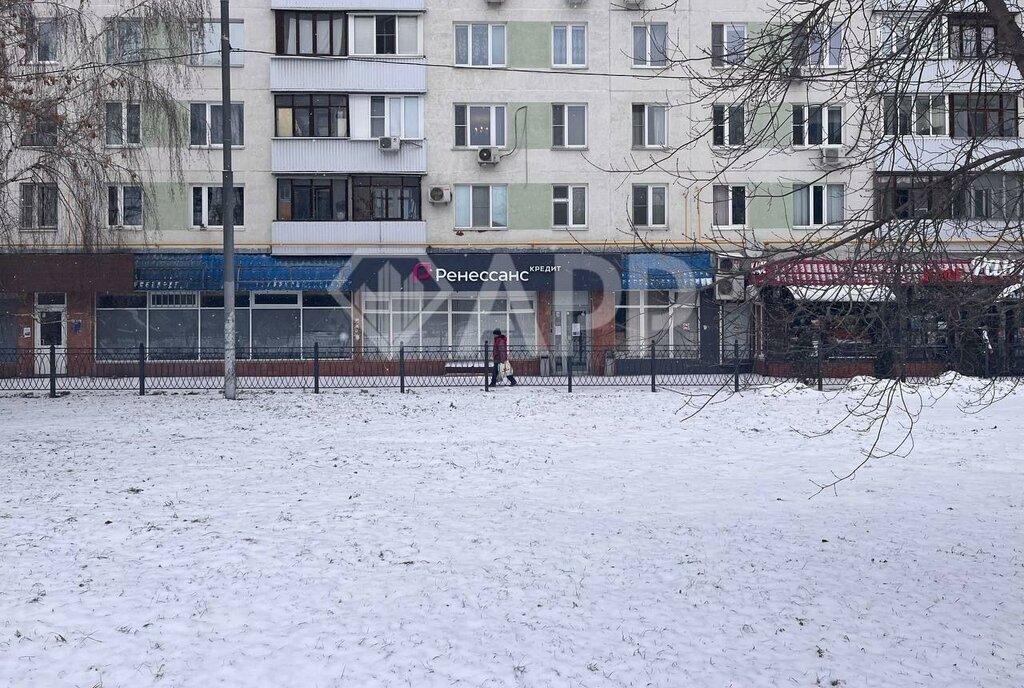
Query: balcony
[[348, 74], [346, 238], [383, 5], [346, 155], [942, 153]]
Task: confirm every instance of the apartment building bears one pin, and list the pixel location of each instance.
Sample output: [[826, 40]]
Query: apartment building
[[419, 172]]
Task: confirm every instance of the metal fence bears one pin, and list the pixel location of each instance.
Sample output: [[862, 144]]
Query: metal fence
[[59, 370]]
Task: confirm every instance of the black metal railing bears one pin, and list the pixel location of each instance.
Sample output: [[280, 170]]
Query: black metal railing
[[57, 370]]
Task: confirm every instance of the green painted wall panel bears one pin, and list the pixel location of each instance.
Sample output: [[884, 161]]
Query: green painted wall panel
[[529, 206], [534, 122], [529, 44], [770, 206], [166, 206], [772, 125]]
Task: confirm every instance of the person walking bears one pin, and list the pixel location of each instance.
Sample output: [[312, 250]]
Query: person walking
[[499, 352]]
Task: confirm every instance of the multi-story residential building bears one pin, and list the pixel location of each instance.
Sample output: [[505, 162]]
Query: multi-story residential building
[[419, 172]]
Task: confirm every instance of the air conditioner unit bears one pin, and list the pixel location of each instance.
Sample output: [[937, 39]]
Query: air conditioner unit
[[389, 143], [487, 156], [830, 157], [726, 264], [730, 287], [440, 194]]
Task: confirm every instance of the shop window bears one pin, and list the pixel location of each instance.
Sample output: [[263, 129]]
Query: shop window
[[385, 198], [736, 330], [667, 319], [327, 322], [311, 33], [318, 199], [173, 326], [276, 325], [319, 115], [211, 326], [121, 324], [480, 45]]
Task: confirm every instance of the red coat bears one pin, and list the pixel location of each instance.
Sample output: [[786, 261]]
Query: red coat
[[500, 349]]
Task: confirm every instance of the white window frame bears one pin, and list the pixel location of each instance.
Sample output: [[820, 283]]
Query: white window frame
[[355, 16], [726, 125], [570, 43], [206, 206], [209, 125], [647, 63], [494, 107], [729, 58], [112, 38], [119, 188], [648, 223], [206, 43], [458, 191], [389, 120], [647, 129], [124, 105], [572, 190], [732, 190], [931, 99], [824, 204], [565, 107], [491, 30], [823, 112], [824, 41]]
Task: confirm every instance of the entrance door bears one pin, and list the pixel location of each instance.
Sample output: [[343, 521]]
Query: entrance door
[[51, 328], [571, 338]]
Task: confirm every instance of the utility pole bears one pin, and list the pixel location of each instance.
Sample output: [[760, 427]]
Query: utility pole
[[227, 198]]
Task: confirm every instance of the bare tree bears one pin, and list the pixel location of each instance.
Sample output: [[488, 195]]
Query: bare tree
[[81, 86]]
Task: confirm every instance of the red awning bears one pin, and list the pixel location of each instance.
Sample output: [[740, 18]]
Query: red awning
[[820, 272]]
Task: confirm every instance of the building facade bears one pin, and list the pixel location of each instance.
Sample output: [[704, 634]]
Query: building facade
[[418, 172]]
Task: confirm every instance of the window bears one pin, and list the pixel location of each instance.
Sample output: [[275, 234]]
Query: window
[[121, 325], [123, 124], [207, 209], [481, 206], [729, 206], [920, 115], [649, 125], [568, 126], [569, 206], [728, 125], [904, 196], [124, 206], [816, 125], [385, 198], [123, 40], [318, 199], [480, 45], [569, 45], [668, 319], [914, 34], [479, 126], [983, 115], [817, 204], [385, 34], [971, 36], [650, 45], [39, 125], [311, 114], [993, 196], [818, 48], [728, 44], [311, 33], [42, 41], [395, 116], [39, 206], [206, 126], [206, 44], [649, 201]]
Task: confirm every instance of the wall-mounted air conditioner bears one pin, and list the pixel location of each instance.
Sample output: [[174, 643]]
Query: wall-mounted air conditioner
[[487, 156], [440, 194], [730, 287], [389, 143], [830, 157]]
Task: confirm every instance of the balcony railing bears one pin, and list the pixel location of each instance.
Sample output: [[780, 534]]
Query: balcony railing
[[346, 155], [334, 238], [348, 74]]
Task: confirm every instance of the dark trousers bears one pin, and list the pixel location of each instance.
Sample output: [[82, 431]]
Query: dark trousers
[[494, 376]]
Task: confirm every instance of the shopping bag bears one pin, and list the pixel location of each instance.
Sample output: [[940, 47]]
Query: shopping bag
[[505, 370]]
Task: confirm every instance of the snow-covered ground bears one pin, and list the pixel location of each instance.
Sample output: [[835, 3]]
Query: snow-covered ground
[[526, 537]]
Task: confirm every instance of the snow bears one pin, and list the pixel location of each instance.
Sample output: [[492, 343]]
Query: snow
[[525, 537]]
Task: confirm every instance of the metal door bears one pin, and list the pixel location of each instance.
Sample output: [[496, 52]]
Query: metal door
[[51, 328]]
